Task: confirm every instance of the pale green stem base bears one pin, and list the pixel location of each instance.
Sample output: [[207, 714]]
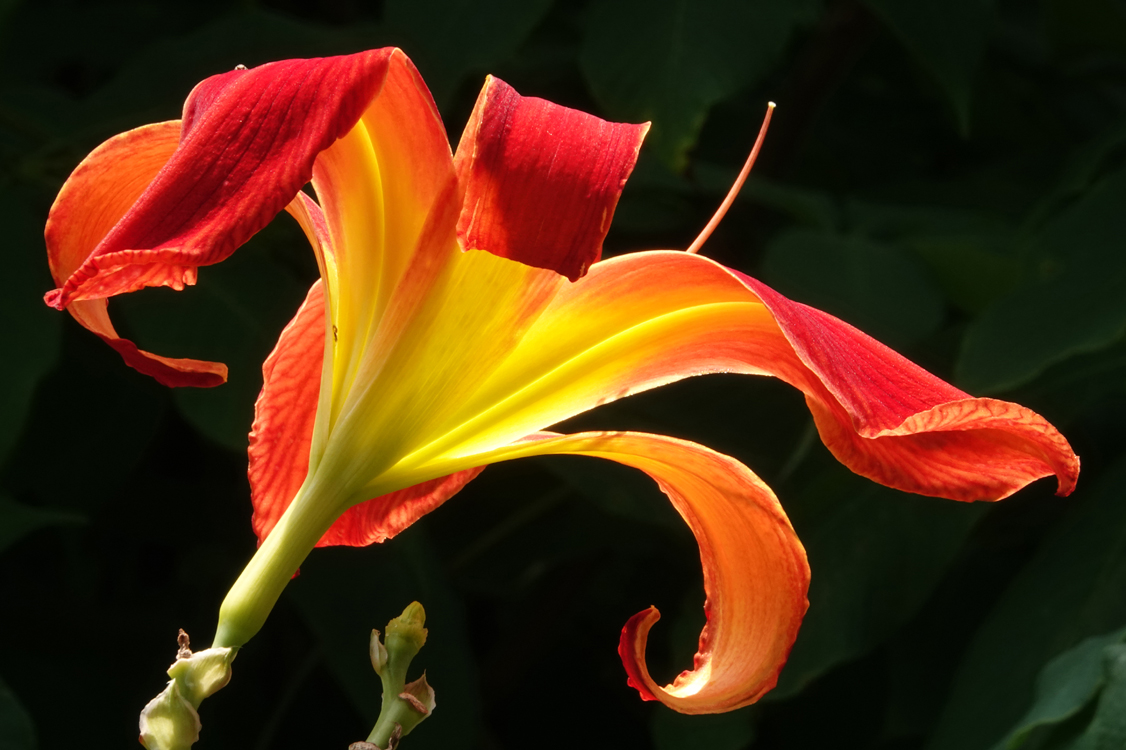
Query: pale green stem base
[[254, 594]]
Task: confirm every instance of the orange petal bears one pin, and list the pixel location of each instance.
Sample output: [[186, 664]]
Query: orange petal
[[755, 570], [541, 181], [627, 327], [94, 198]]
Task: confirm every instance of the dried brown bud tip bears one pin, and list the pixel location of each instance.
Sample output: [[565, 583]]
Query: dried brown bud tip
[[183, 642]]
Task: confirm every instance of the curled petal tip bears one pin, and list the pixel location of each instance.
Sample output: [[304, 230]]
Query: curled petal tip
[[755, 571], [53, 299], [631, 647]]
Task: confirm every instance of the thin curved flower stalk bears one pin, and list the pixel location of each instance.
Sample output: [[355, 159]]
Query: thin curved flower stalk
[[463, 308]]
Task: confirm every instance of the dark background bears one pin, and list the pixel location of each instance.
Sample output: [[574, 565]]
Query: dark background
[[949, 175]]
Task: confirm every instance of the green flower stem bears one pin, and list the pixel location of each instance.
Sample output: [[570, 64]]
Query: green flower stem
[[171, 721], [254, 594], [404, 704]]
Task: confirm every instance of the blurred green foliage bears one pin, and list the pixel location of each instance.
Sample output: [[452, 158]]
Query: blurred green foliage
[[946, 174]]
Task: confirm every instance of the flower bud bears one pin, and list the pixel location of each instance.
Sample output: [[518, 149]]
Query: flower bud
[[405, 704], [405, 634]]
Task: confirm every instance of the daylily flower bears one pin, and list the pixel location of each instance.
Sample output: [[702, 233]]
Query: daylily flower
[[462, 309]]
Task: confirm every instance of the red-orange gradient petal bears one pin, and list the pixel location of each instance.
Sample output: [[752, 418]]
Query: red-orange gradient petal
[[755, 570], [541, 180], [890, 420], [94, 198], [284, 416], [248, 145], [642, 320]]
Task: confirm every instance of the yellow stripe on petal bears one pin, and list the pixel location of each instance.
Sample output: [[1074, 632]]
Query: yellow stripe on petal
[[628, 326], [695, 341], [450, 324], [377, 186], [348, 182]]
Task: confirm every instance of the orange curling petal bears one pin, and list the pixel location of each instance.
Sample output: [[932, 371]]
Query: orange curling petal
[[755, 571], [626, 328], [541, 181], [94, 198]]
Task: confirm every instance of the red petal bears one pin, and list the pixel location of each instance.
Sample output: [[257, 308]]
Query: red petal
[[285, 412], [541, 181], [890, 420], [248, 145], [96, 195], [381, 518]]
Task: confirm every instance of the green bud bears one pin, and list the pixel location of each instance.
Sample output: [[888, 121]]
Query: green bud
[[405, 705], [405, 634]]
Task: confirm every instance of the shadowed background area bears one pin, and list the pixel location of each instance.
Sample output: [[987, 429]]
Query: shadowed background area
[[948, 175]]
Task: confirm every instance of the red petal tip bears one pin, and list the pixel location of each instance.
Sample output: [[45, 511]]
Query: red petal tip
[[631, 648]]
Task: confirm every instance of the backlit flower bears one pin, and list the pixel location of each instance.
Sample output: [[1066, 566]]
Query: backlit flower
[[463, 308]]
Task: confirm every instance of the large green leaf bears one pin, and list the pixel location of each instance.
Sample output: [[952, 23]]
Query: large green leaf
[[1065, 686], [669, 61], [1082, 385], [1070, 590], [90, 423], [142, 64], [1107, 730], [877, 287], [1086, 27], [451, 39], [1075, 306], [948, 37], [970, 254], [165, 72]]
